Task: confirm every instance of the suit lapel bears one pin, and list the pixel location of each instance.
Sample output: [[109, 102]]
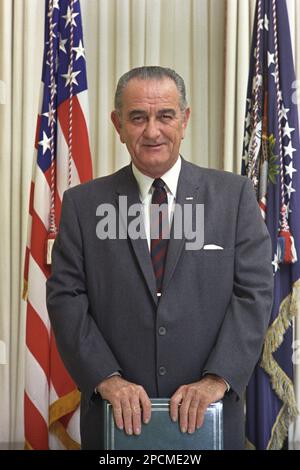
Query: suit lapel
[[187, 190], [128, 187], [187, 193]]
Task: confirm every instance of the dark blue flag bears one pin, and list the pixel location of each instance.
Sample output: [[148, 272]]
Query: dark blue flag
[[271, 159]]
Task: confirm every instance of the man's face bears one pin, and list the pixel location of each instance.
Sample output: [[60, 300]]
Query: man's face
[[151, 124]]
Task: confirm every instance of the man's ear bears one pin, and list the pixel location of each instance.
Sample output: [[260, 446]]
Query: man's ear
[[186, 116], [116, 122]]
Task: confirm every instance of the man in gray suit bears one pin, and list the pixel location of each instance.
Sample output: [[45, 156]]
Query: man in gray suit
[[131, 322]]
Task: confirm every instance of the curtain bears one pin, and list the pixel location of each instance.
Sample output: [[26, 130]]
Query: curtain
[[21, 42], [183, 34], [238, 34], [206, 41]]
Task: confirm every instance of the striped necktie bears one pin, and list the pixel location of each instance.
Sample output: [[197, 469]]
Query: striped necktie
[[159, 226]]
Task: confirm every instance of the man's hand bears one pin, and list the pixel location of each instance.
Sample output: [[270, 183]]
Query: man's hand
[[127, 399], [194, 399]]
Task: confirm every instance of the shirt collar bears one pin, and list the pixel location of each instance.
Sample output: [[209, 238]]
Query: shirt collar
[[170, 178]]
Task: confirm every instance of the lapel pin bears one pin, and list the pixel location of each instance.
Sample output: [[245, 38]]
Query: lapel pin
[[189, 198]]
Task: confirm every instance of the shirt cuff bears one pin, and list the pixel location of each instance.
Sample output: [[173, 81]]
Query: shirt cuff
[[227, 384]]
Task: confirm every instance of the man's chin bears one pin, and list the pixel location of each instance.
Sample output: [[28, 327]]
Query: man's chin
[[155, 165], [155, 154], [156, 160]]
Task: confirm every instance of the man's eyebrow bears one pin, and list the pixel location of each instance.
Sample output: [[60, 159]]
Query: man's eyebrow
[[137, 112], [167, 111], [141, 112]]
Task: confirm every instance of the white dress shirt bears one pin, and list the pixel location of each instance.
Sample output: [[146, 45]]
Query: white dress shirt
[[146, 189]]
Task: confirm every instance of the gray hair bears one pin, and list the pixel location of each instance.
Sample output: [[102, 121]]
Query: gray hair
[[153, 72]]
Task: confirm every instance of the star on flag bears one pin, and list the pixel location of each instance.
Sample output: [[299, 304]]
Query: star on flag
[[45, 142], [289, 150], [79, 50], [287, 130], [50, 115], [70, 77], [62, 44], [70, 17], [290, 169]]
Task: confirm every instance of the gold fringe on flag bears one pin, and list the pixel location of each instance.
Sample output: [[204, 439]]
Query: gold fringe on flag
[[27, 446], [249, 445], [63, 406], [57, 410], [60, 432], [281, 383], [25, 291]]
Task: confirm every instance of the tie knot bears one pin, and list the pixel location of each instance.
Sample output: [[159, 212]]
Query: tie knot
[[158, 183]]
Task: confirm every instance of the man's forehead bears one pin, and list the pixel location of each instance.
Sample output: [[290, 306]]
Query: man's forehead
[[152, 82], [151, 91]]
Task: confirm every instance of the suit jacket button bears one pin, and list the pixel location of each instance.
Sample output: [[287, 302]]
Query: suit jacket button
[[162, 370], [162, 330]]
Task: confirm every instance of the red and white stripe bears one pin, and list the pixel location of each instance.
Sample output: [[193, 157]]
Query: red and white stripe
[[263, 207], [49, 421]]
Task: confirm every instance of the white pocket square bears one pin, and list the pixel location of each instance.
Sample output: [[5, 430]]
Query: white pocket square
[[212, 247]]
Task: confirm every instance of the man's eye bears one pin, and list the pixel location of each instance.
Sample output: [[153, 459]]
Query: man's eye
[[166, 117], [138, 119]]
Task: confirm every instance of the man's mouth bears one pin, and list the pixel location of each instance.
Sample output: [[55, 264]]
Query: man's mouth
[[153, 145]]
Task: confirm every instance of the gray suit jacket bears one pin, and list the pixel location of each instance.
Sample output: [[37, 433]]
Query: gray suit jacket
[[215, 305]]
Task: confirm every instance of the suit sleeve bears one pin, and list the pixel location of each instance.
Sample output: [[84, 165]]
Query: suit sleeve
[[82, 347], [241, 336]]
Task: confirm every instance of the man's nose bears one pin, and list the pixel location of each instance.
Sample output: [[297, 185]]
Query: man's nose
[[152, 130]]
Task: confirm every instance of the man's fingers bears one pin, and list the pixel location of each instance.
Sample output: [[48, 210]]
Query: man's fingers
[[192, 414], [183, 412], [174, 404], [126, 399], [195, 399], [200, 416], [192, 411], [146, 406], [117, 410], [136, 414], [127, 416]]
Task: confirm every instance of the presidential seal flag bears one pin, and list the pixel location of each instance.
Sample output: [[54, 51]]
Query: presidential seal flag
[[62, 159], [271, 158]]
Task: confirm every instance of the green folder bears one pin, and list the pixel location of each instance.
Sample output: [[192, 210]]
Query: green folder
[[162, 434]]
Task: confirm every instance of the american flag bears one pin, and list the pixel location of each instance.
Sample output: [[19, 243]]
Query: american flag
[[62, 159], [272, 160]]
